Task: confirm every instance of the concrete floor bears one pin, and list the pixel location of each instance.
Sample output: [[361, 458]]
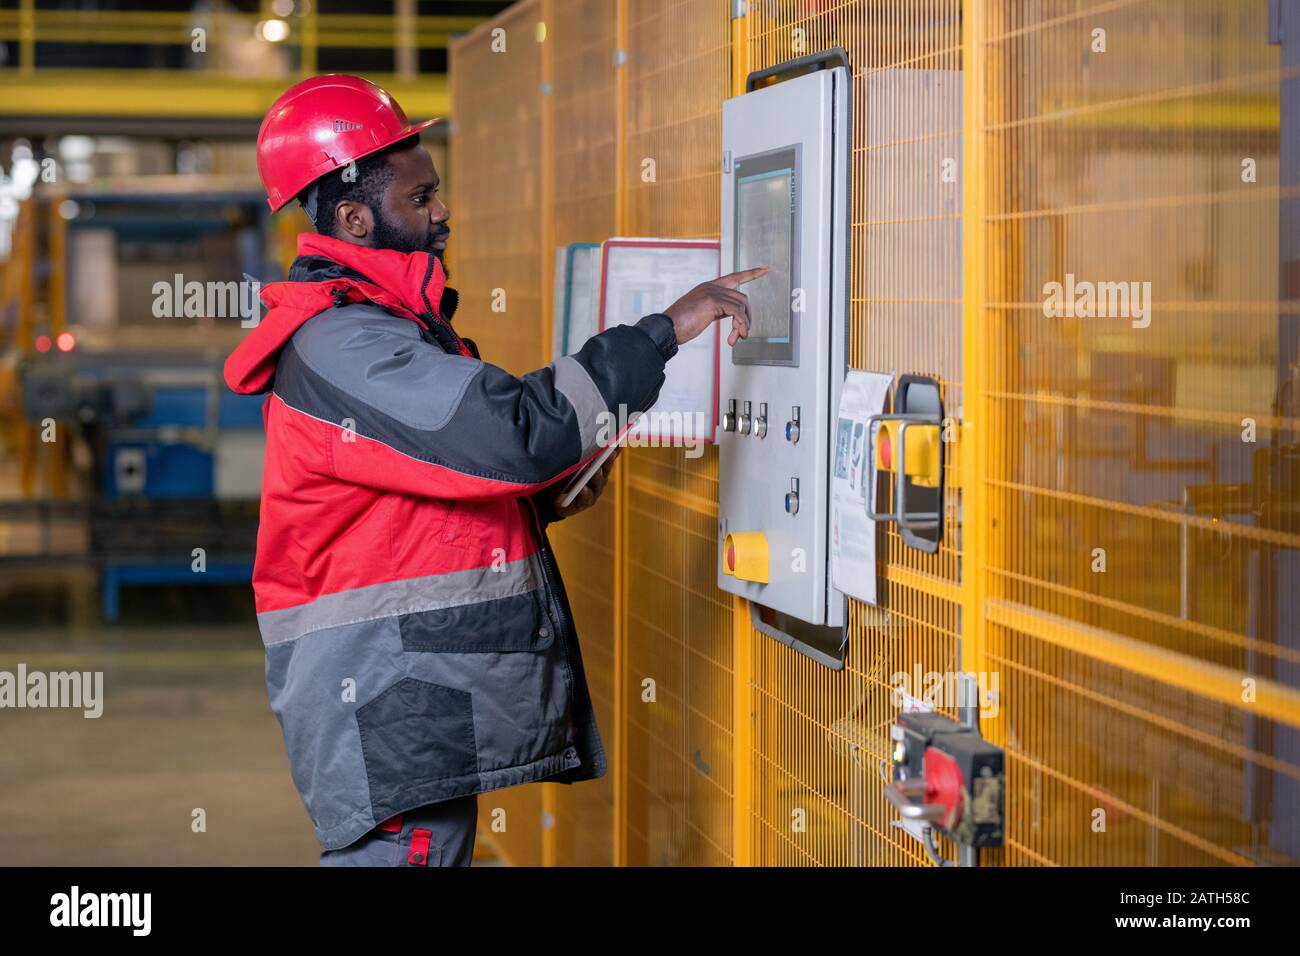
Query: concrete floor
[[186, 725]]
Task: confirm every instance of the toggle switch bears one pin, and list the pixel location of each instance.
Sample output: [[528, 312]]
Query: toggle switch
[[745, 418], [792, 426], [744, 556], [792, 497], [729, 416]]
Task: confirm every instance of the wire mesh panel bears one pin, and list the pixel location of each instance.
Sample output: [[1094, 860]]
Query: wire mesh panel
[[496, 266], [821, 737], [583, 115], [496, 263], [1141, 430], [1119, 555], [679, 745]]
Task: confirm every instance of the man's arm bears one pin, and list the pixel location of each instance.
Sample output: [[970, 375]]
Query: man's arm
[[395, 412], [402, 414]]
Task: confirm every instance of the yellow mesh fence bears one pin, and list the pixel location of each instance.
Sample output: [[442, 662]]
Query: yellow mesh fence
[[582, 105], [679, 749], [821, 737], [496, 259], [1135, 549], [1116, 558]]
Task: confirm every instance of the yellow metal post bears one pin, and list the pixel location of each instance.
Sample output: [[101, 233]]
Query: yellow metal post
[[405, 34], [27, 37], [309, 40], [545, 208], [742, 632], [975, 431], [56, 454], [622, 686], [24, 253]]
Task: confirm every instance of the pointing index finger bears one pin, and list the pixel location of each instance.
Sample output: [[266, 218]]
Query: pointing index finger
[[733, 279]]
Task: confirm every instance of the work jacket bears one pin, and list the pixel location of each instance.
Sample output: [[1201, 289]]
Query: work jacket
[[419, 643]]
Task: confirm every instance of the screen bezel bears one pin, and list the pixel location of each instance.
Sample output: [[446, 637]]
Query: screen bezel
[[751, 351]]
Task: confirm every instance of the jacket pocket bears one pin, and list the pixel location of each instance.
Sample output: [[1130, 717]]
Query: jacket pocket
[[413, 734], [518, 622]]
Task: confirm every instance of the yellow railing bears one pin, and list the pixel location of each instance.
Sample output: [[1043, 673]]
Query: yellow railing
[[235, 62], [168, 28]]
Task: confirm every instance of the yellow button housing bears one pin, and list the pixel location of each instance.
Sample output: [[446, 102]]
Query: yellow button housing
[[924, 452], [744, 556]]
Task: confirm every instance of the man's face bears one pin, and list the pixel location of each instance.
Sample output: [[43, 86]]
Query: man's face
[[412, 218]]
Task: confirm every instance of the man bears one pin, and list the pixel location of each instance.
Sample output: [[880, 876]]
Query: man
[[419, 644]]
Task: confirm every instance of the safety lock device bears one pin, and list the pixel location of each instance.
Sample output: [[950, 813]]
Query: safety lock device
[[924, 455], [947, 775], [908, 444]]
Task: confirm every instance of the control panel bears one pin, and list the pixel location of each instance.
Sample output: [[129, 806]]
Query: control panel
[[784, 206]]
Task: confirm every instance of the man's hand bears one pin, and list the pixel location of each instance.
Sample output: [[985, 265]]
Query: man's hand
[[590, 491], [696, 310]]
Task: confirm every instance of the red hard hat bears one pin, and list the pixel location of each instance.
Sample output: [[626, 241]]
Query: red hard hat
[[322, 124]]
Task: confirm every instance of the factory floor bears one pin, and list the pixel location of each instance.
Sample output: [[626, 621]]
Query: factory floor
[[186, 733]]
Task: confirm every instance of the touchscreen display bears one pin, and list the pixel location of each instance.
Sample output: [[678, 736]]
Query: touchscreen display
[[763, 238], [765, 222]]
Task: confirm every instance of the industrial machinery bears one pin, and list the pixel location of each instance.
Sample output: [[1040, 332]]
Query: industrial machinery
[[169, 460]]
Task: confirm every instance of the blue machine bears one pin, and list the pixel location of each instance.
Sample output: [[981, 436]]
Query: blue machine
[[176, 457], [178, 464]]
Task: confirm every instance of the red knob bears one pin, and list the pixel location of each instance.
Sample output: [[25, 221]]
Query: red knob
[[944, 785]]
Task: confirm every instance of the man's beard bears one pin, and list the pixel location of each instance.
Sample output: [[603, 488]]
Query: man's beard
[[388, 236]]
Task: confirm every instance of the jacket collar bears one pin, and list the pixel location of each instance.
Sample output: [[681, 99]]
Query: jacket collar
[[329, 272], [415, 280]]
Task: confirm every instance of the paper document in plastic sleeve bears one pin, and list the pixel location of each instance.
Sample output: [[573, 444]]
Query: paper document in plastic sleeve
[[853, 477], [643, 276]]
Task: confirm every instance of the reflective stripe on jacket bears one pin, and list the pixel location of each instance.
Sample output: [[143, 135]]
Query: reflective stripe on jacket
[[419, 643]]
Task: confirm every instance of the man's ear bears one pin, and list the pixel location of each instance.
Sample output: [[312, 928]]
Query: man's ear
[[353, 221]]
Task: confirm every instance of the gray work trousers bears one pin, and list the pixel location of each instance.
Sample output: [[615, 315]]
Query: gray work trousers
[[440, 834]]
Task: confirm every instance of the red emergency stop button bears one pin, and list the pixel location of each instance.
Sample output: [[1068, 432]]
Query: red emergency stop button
[[944, 785], [744, 556]]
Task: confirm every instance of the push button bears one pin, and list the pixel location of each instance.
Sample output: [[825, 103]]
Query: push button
[[744, 556], [729, 416]]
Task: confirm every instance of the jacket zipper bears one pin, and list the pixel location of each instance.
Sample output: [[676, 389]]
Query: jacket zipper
[[550, 571]]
